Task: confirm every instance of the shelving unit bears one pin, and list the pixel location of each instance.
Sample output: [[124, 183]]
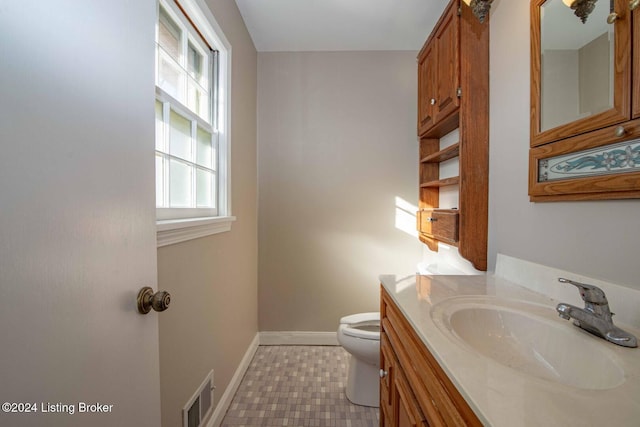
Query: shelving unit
[[453, 92]]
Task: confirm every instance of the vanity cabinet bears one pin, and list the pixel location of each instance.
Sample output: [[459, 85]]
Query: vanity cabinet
[[414, 390], [585, 102], [453, 92]]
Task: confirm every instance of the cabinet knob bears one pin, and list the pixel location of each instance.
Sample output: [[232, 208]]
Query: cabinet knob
[[633, 4], [620, 131], [433, 100], [383, 373], [431, 219], [613, 17]]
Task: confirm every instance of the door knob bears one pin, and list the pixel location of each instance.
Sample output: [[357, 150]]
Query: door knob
[[633, 4], [147, 300]]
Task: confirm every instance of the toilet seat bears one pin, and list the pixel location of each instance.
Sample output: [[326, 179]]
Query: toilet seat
[[362, 325]]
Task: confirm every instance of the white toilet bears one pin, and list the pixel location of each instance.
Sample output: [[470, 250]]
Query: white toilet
[[359, 334]]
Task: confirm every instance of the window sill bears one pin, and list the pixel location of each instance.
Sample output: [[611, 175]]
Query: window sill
[[174, 231]]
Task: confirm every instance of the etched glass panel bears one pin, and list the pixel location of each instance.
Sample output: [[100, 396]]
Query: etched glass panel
[[623, 157]]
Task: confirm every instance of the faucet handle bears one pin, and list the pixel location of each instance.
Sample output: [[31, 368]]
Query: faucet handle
[[589, 293]]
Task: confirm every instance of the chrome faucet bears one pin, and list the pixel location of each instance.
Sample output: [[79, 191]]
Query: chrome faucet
[[595, 317]]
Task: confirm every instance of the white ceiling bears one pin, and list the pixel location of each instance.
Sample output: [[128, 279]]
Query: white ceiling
[[331, 25]]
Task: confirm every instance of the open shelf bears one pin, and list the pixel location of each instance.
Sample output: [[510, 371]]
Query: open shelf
[[443, 155], [441, 182]]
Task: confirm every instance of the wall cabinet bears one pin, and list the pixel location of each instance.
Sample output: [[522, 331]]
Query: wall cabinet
[[414, 390], [439, 74], [453, 92], [585, 125]]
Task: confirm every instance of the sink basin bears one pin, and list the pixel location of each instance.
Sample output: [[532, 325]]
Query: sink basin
[[529, 338]]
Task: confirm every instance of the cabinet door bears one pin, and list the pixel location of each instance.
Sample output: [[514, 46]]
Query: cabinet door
[[408, 412], [387, 365], [579, 88], [426, 88], [447, 39], [636, 63]]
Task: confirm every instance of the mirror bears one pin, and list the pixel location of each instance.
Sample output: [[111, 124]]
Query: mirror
[[577, 63]]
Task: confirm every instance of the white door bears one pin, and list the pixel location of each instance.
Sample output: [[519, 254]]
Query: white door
[[77, 213]]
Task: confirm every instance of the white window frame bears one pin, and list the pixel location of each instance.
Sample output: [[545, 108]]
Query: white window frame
[[171, 231]]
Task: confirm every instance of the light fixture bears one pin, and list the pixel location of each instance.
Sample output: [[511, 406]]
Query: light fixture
[[581, 8], [480, 8]]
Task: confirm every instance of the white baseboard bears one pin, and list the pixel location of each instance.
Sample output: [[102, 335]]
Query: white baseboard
[[225, 401], [298, 338]]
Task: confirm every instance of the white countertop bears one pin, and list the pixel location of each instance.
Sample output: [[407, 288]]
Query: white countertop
[[499, 395]]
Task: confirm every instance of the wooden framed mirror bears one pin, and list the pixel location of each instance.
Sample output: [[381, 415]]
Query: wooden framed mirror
[[585, 139]]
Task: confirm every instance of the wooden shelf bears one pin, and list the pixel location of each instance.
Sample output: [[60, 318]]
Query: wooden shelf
[[443, 155], [441, 182]]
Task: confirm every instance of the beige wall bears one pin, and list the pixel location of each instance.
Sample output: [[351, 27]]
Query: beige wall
[[597, 239], [336, 146], [213, 280]]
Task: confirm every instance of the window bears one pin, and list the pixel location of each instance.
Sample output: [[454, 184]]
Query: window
[[191, 114]]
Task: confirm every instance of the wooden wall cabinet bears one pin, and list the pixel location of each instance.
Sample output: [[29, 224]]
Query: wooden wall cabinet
[[595, 156], [439, 74], [453, 92], [414, 390]]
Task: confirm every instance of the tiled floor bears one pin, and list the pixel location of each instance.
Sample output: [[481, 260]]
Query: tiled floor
[[299, 386]]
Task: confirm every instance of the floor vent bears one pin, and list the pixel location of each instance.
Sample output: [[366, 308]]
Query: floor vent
[[199, 406]]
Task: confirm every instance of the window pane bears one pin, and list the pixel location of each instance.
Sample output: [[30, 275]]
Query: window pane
[[204, 155], [159, 181], [194, 62], [169, 35], [204, 188], [159, 127], [180, 143], [169, 77], [198, 101], [180, 187]]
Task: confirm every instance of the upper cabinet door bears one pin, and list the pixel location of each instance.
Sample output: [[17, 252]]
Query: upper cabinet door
[[426, 88], [580, 72], [448, 54], [439, 76]]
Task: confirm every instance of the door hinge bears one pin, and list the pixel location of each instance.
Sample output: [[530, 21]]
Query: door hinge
[[459, 92]]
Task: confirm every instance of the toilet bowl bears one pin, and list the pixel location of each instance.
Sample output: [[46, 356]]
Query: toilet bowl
[[359, 335]]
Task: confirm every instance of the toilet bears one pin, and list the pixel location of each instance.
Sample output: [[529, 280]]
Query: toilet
[[359, 335]]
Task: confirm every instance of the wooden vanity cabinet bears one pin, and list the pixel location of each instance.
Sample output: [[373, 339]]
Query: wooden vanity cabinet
[[453, 92], [414, 390]]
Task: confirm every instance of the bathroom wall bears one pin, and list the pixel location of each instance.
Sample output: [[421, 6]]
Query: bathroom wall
[[337, 168], [213, 280], [597, 239]]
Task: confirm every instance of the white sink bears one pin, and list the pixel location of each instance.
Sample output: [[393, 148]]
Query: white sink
[[529, 338]]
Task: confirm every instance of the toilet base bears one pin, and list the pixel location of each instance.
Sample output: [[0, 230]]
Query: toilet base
[[363, 383]]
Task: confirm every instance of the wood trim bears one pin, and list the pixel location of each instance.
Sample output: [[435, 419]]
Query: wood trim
[[621, 110], [635, 96], [474, 137]]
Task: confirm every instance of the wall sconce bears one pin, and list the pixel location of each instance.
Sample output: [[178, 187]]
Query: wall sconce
[[581, 8], [481, 8]]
